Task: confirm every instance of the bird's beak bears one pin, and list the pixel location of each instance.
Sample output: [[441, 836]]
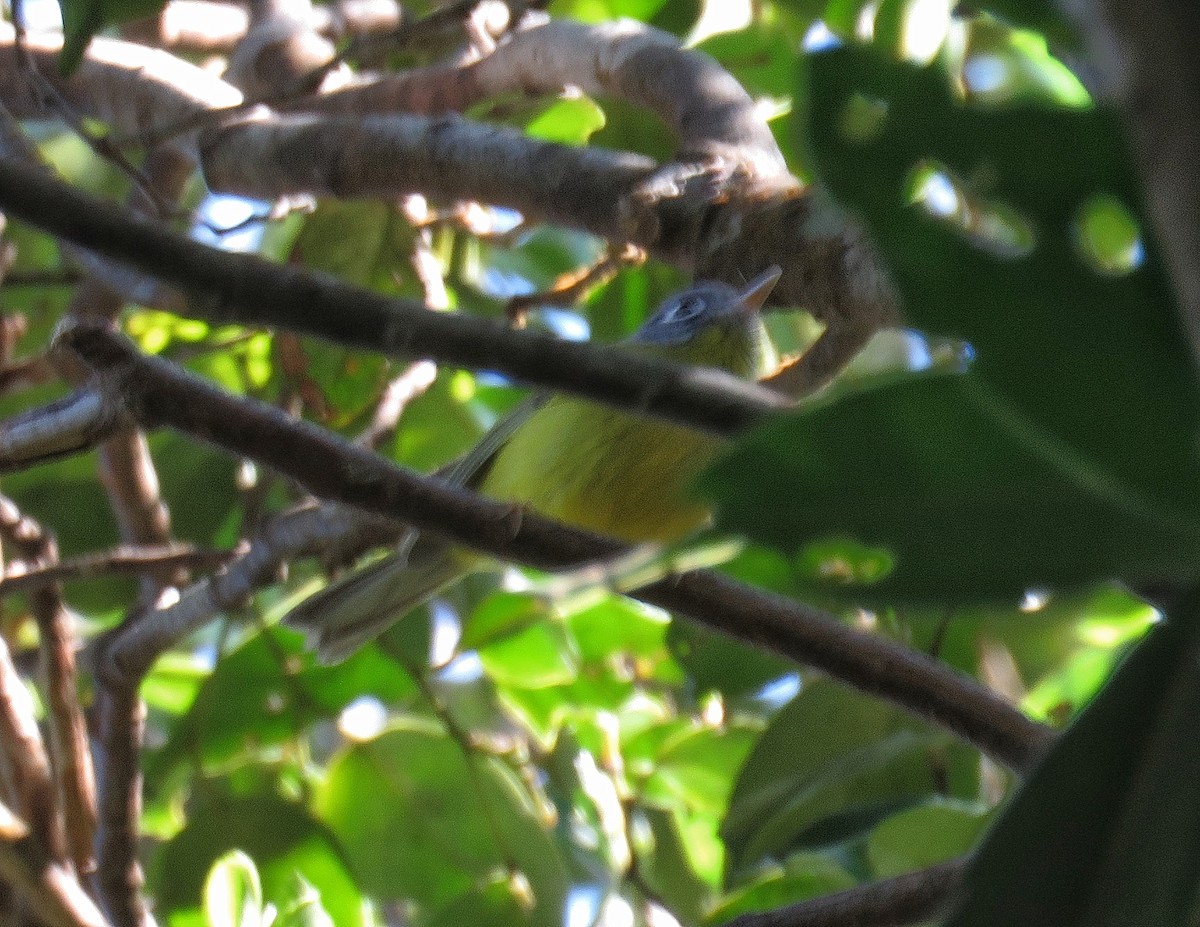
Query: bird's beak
[[754, 294]]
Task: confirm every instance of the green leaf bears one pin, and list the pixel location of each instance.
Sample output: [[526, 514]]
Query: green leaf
[[1043, 16], [499, 903], [970, 500], [538, 657], [762, 57], [305, 909], [923, 836], [278, 835], [502, 615], [718, 663], [542, 712], [1115, 806], [366, 242], [697, 766], [419, 820], [266, 693], [567, 121], [665, 865], [806, 875], [82, 19], [440, 424], [992, 256], [233, 893], [832, 754], [617, 625], [172, 684]]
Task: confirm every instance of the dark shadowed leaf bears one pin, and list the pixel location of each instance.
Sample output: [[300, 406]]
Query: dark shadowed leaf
[[1114, 808], [966, 499], [978, 213], [832, 756], [278, 835]]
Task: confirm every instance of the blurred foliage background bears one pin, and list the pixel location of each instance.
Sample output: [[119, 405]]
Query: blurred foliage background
[[528, 751]]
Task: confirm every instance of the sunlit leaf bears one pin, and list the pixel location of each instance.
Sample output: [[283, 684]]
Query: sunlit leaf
[[233, 893], [279, 837], [419, 819]]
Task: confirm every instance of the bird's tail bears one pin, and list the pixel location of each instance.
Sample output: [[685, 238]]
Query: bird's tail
[[346, 614]]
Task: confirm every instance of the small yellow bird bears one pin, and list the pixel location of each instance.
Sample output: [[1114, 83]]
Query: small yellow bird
[[580, 462]]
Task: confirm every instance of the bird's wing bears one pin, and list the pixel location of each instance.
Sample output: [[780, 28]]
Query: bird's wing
[[349, 612], [469, 469]]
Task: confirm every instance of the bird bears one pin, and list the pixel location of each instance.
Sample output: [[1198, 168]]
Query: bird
[[593, 466]]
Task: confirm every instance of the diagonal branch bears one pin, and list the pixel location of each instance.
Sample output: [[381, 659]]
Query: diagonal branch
[[711, 114], [157, 393], [240, 288], [725, 211]]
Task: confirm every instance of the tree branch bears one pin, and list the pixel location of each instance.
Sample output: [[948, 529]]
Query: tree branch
[[703, 104], [122, 719], [127, 559], [240, 288], [75, 423], [50, 889], [73, 773], [912, 898], [24, 768], [709, 217], [159, 394]]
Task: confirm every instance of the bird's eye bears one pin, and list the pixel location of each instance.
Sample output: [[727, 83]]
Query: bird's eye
[[683, 309]]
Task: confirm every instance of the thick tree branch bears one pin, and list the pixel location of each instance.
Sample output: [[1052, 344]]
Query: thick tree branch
[[158, 393], [75, 423], [216, 26], [128, 86], [710, 113], [240, 288], [709, 218]]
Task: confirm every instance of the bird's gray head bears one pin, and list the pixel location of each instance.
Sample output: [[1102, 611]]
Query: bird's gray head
[[681, 317]]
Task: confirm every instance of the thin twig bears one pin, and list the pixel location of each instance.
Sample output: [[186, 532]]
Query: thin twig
[[159, 394], [571, 287], [24, 768], [49, 888], [73, 772], [123, 560]]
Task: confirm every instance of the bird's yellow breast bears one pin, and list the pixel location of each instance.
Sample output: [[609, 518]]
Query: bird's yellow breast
[[618, 474], [605, 471]]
